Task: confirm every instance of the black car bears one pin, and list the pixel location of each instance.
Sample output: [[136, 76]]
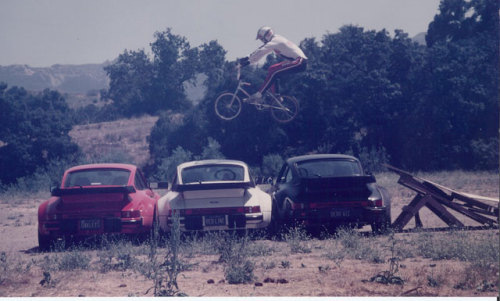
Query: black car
[[323, 191]]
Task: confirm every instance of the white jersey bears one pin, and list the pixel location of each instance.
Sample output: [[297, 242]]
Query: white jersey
[[281, 46]]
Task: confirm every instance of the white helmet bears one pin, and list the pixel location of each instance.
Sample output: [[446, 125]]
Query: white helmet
[[265, 34]]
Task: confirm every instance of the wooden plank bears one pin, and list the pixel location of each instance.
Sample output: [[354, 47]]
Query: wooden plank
[[469, 213], [409, 212], [441, 212], [436, 197]]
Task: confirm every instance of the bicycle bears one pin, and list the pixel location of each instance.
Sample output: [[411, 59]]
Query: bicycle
[[228, 105]]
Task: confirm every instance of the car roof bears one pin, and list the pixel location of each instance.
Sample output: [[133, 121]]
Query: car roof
[[297, 159], [103, 166], [211, 162]]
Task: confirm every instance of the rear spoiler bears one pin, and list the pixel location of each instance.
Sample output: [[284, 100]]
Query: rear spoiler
[[211, 186], [92, 190]]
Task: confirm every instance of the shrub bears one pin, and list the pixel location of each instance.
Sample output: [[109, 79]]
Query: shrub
[[297, 239], [239, 272]]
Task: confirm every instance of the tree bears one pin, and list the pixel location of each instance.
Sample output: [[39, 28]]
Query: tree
[[34, 131], [131, 77]]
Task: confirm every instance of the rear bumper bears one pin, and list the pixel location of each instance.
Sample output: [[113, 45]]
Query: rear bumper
[[227, 222], [339, 216], [73, 227]]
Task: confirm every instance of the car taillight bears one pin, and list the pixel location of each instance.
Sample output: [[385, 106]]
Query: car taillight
[[131, 214], [180, 212], [298, 206], [54, 217], [252, 209]]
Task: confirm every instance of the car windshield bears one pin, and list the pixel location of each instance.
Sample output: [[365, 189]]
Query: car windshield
[[328, 168], [96, 177], [212, 173]]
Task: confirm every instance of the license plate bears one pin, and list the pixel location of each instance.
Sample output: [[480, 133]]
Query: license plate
[[340, 213], [90, 224], [215, 220]]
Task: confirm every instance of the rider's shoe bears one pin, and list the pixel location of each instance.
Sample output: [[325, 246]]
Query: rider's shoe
[[255, 98]]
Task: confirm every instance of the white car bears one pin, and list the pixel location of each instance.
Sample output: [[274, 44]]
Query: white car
[[214, 195]]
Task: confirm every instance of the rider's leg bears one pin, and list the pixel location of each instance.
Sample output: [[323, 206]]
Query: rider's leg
[[280, 69], [275, 71]]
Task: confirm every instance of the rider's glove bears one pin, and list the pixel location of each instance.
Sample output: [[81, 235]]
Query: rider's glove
[[244, 61]]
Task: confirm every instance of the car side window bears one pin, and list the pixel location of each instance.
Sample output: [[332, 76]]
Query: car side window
[[289, 176], [283, 175], [139, 181], [286, 176]]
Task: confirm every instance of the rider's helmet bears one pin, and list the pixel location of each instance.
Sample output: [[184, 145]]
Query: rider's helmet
[[265, 34]]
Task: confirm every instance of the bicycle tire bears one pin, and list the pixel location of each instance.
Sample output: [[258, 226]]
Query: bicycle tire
[[289, 110], [227, 106]]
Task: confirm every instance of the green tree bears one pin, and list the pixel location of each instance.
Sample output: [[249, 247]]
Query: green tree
[[34, 131], [131, 77]]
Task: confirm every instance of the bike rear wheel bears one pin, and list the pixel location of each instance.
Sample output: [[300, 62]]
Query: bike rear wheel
[[285, 109], [227, 106]]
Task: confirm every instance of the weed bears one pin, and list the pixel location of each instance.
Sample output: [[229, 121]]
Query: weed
[[3, 267], [117, 255], [239, 272], [164, 273], [73, 260], [297, 239], [237, 268], [285, 264]]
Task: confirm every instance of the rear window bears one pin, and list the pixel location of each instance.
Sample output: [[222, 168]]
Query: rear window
[[328, 168], [212, 173], [97, 177]]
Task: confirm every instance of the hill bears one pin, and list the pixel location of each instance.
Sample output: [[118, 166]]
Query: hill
[[72, 79], [126, 137]]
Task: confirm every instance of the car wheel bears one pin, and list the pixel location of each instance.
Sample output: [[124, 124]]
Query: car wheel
[[44, 242], [274, 226], [381, 227]]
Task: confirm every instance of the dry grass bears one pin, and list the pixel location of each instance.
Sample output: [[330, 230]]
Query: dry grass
[[349, 263], [126, 137]]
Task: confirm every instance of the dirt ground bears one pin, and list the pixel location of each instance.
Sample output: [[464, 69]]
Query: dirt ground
[[278, 271]]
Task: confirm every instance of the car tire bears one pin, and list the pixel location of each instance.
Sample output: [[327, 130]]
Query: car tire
[[274, 226], [44, 242], [383, 226]]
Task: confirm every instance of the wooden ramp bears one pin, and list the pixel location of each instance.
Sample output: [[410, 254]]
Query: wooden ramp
[[439, 199]]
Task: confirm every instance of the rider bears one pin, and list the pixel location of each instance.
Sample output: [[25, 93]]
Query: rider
[[295, 59]]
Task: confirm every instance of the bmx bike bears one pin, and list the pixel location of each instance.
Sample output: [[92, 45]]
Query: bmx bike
[[228, 105]]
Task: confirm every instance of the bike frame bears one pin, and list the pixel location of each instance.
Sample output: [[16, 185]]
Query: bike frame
[[239, 88]]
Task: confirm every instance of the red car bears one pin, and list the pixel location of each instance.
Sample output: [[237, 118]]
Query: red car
[[95, 199]]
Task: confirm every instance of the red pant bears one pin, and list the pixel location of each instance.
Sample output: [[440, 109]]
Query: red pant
[[282, 68]]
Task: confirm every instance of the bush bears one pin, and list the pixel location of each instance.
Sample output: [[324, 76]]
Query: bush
[[239, 272]]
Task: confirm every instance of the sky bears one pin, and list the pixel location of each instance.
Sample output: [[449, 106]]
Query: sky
[[41, 33]]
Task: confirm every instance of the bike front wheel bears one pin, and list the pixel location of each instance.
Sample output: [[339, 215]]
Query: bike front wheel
[[286, 109], [227, 106]]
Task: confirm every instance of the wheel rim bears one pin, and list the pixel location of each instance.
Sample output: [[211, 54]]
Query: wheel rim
[[289, 112], [226, 107]]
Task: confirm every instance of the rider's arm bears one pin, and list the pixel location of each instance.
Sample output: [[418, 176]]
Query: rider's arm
[[244, 61], [261, 52]]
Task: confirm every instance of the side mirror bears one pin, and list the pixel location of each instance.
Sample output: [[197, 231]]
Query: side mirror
[[158, 185], [53, 187]]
